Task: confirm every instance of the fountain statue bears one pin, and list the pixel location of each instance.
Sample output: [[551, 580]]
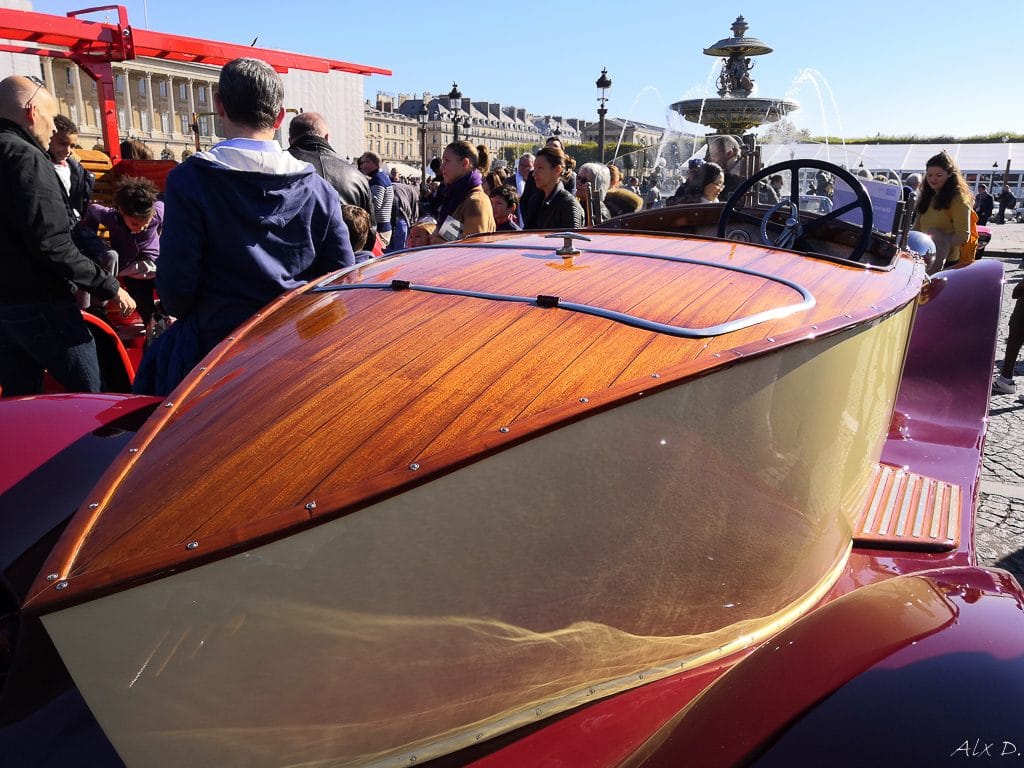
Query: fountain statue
[[736, 110]]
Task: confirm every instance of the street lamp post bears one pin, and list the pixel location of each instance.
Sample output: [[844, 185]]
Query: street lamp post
[[422, 116], [1006, 173], [603, 84], [454, 104]]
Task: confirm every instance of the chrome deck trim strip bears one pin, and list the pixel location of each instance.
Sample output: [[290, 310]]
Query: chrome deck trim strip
[[807, 300]]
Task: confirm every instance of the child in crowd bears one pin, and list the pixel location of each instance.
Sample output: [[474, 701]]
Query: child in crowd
[[358, 222], [505, 203], [77, 181], [134, 225], [419, 234]]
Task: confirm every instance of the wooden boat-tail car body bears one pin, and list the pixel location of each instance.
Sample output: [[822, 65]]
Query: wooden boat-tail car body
[[623, 500]]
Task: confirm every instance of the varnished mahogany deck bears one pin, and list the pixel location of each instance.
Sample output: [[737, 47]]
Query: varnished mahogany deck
[[334, 399]]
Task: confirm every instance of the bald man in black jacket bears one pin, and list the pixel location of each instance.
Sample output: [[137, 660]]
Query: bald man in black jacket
[[308, 140], [41, 327]]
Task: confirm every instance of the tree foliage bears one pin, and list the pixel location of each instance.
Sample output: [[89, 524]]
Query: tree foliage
[[588, 152]]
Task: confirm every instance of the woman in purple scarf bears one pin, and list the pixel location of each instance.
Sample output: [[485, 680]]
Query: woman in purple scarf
[[464, 207]]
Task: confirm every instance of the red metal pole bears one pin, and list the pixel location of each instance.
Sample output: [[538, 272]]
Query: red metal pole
[[103, 73]]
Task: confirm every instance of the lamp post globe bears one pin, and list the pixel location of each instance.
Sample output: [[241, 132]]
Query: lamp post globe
[[454, 104]]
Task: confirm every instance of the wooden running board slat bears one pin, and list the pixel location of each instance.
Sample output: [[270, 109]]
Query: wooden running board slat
[[908, 511]]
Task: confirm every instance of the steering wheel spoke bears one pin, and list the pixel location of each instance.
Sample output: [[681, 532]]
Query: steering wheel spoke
[[832, 215]]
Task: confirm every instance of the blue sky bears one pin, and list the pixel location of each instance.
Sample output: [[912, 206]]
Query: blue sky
[[894, 67]]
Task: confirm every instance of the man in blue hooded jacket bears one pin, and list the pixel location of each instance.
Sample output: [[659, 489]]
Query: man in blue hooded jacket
[[245, 221]]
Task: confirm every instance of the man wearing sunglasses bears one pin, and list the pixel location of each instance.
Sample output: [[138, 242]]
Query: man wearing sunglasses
[[41, 328]]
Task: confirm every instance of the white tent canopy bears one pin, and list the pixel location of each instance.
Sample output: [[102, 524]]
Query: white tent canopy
[[983, 159], [404, 170]]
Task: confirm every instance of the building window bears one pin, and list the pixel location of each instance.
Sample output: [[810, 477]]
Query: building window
[[183, 91], [119, 83], [186, 128], [142, 87], [96, 117], [165, 122], [121, 121], [202, 94], [162, 89], [144, 120], [204, 123], [70, 77]]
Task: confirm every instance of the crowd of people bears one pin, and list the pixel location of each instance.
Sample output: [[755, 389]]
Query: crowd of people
[[246, 220], [235, 226]]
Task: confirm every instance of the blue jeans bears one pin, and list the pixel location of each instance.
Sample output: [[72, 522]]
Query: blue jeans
[[399, 233], [53, 337]]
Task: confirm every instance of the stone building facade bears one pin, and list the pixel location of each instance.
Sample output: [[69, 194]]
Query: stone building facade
[[393, 135], [481, 122], [156, 103], [631, 132], [168, 105]]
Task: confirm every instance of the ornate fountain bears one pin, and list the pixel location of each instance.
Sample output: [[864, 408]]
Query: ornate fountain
[[736, 111]]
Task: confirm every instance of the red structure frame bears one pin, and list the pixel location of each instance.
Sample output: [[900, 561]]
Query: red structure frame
[[94, 45]]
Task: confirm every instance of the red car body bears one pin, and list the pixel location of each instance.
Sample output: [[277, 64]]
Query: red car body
[[984, 237], [906, 643]]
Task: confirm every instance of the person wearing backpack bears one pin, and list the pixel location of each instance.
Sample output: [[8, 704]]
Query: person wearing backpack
[[945, 209]]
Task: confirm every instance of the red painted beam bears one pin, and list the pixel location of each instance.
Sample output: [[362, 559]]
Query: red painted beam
[[115, 43], [93, 45], [160, 45]]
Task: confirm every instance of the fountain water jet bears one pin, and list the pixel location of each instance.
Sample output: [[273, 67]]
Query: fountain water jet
[[629, 114], [818, 81]]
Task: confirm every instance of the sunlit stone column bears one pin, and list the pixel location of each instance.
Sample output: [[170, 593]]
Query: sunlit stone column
[[128, 118], [170, 101], [152, 111], [51, 86]]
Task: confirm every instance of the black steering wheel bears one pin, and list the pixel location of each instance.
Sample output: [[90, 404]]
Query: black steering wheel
[[790, 232]]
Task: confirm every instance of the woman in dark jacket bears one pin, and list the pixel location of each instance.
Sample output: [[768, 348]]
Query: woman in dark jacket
[[554, 207]]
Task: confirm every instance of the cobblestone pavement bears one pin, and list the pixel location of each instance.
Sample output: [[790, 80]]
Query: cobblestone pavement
[[1000, 519]]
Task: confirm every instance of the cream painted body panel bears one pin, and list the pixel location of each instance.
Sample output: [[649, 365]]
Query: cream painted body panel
[[644, 539]]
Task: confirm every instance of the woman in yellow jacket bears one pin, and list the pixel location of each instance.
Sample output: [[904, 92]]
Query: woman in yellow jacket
[[464, 208], [944, 209]]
